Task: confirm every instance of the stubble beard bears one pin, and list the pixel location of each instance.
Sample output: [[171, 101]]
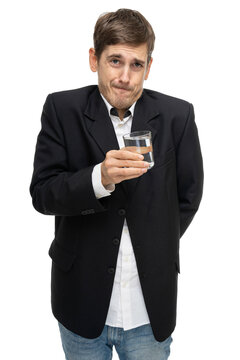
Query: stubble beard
[[116, 101]]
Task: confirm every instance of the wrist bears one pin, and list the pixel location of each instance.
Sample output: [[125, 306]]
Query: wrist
[[105, 180]]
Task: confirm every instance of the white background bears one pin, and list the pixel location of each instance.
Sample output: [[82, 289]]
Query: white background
[[44, 48]]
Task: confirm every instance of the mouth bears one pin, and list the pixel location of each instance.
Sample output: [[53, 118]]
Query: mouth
[[122, 89]]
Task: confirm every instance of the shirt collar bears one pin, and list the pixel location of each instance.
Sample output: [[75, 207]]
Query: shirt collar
[[109, 107]]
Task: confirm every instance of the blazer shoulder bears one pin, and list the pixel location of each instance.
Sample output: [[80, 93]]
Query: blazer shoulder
[[171, 104], [74, 97]]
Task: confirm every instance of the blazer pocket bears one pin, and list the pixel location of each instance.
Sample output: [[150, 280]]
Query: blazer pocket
[[164, 159], [61, 257]]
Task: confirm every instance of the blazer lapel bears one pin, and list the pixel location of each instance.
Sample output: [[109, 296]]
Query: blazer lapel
[[99, 123]]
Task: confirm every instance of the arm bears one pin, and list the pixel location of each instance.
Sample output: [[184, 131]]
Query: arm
[[189, 172], [54, 189]]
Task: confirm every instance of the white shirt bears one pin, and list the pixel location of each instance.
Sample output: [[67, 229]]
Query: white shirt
[[127, 307]]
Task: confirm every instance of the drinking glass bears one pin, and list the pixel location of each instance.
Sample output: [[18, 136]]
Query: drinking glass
[[140, 142]]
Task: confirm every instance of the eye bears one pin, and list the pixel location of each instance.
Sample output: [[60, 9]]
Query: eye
[[115, 62], [137, 65]]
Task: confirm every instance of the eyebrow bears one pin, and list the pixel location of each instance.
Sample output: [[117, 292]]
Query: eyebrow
[[119, 56]]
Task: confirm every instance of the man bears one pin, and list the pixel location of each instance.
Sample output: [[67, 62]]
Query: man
[[115, 255]]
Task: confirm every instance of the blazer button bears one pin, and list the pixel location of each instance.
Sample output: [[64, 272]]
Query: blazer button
[[111, 270], [116, 241], [88, 211], [121, 212]]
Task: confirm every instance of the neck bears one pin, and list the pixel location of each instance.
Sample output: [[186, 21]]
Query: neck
[[121, 113]]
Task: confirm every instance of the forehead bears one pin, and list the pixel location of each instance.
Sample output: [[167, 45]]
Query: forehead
[[126, 51]]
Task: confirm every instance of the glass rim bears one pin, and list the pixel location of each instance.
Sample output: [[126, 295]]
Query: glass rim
[[137, 134]]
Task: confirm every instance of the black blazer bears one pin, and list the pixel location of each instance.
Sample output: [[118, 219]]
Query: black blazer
[[76, 133]]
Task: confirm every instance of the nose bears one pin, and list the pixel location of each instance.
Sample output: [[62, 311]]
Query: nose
[[125, 74]]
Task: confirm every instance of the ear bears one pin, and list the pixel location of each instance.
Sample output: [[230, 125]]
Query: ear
[[148, 69], [93, 60]]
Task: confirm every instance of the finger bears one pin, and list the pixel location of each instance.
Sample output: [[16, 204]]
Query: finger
[[123, 178], [139, 149], [126, 173], [143, 171], [125, 154], [131, 163]]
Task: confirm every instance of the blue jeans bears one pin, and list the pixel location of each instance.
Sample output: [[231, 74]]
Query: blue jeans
[[134, 344]]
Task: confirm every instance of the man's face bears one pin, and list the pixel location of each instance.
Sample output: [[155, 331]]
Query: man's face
[[122, 69]]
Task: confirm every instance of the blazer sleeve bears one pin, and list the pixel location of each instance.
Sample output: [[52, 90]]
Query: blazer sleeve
[[189, 172], [54, 189]]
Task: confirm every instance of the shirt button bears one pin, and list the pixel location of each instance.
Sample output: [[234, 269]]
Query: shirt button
[[111, 270], [116, 241], [121, 212]]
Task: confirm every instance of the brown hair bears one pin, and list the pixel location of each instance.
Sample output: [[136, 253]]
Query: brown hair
[[123, 26]]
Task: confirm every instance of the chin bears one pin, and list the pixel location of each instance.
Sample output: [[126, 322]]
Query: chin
[[122, 103]]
